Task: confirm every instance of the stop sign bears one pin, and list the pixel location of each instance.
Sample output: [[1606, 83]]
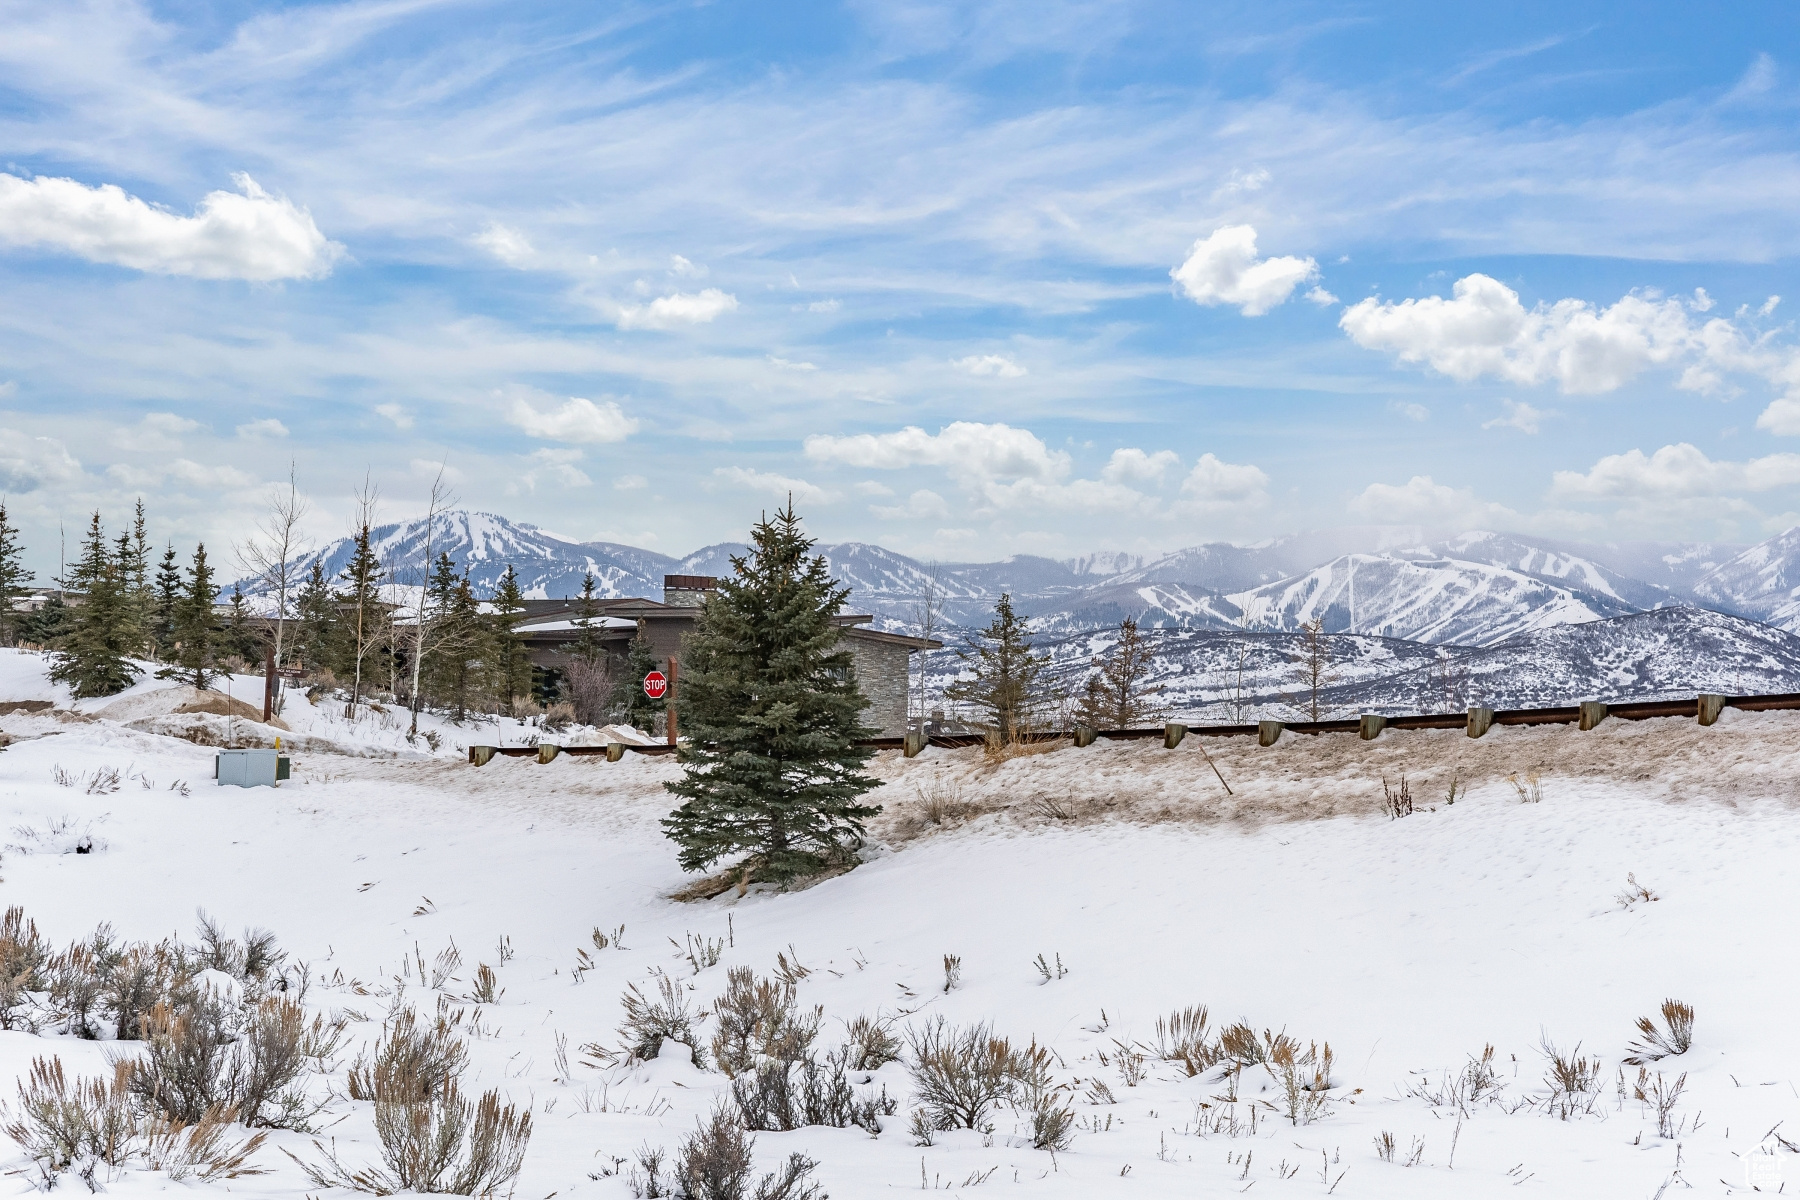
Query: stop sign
[[655, 685]]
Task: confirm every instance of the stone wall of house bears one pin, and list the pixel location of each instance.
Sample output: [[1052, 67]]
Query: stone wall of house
[[881, 673]]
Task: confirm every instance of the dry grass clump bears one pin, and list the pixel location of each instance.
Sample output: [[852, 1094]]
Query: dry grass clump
[[413, 1061], [872, 1043], [1399, 801], [1655, 1043], [962, 1076], [781, 1095], [1661, 1094], [714, 1164], [1304, 1080], [1573, 1080], [1182, 1037], [1635, 892]]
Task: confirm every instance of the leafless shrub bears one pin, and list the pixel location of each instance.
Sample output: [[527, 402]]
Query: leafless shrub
[[1399, 800], [1049, 807], [1037, 1098], [1384, 1146], [944, 804], [1529, 790], [782, 1095], [703, 952], [960, 1076], [1662, 1094], [442, 1143], [1635, 892], [205, 1058], [23, 956], [649, 1021], [255, 961], [1049, 972], [590, 687], [104, 781], [1657, 1044], [789, 970], [714, 1164], [201, 1150], [872, 1043], [952, 972], [1181, 1037], [759, 1018], [413, 1061], [1131, 1065]]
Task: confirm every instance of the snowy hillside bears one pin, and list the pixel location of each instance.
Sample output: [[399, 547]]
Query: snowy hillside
[[1762, 582], [1293, 904]]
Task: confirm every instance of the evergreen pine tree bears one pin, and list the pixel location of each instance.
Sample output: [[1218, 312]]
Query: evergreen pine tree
[[241, 638], [1007, 689], [630, 705], [48, 626], [1117, 695], [512, 663], [164, 604], [139, 584], [94, 657], [587, 647], [193, 658], [769, 701], [315, 611], [131, 627], [453, 663], [13, 578], [362, 617]]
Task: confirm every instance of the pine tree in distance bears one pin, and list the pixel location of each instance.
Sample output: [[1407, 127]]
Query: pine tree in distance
[[94, 658], [1007, 689], [769, 703], [630, 704], [193, 658], [1118, 694], [13, 578]]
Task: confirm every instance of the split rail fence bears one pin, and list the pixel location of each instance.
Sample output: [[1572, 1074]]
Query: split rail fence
[[1705, 707]]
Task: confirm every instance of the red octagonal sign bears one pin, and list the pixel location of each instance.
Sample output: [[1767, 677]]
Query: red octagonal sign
[[655, 685]]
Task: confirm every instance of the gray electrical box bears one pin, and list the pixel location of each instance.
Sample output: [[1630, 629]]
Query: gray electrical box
[[250, 768]]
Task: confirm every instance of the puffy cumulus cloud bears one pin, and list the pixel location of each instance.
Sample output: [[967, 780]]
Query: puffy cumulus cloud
[[680, 308], [1072, 496], [923, 504], [268, 427], [557, 467], [1222, 268], [1409, 410], [574, 420], [1131, 465], [1422, 500], [1213, 483], [247, 234], [779, 486], [995, 365], [972, 452], [1675, 472], [1484, 330], [29, 463]]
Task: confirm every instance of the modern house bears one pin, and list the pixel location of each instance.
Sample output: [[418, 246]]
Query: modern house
[[549, 627]]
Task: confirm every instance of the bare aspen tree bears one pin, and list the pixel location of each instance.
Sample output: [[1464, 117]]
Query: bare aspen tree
[[928, 620], [441, 499], [271, 554]]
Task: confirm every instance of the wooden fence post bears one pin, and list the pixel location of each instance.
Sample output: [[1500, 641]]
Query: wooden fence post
[[615, 751], [1085, 735], [1268, 732], [1480, 720], [1592, 713], [480, 756], [1711, 705], [1173, 732], [1369, 727], [547, 751], [914, 744]]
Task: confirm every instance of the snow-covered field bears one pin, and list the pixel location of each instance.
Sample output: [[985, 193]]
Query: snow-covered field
[[1295, 903]]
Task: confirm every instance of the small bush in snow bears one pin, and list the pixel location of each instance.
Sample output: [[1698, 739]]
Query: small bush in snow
[[714, 1164], [952, 972], [1635, 892], [210, 1057], [1661, 1094], [779, 1096], [1304, 1080], [649, 1021], [443, 1144], [872, 1043], [413, 1061], [1573, 1080], [1040, 1102], [1657, 1043], [1182, 1038], [1529, 790], [760, 1019], [1398, 801], [960, 1075]]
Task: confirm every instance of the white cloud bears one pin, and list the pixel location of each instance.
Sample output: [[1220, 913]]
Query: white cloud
[[1781, 418], [206, 476], [1321, 297], [28, 463], [268, 427], [1422, 500], [247, 234], [1520, 416], [154, 432], [1484, 330], [990, 364], [395, 413], [506, 244], [630, 483], [869, 487], [1677, 471], [688, 270], [558, 467], [680, 308], [971, 451], [779, 486], [575, 420], [1222, 268], [922, 504], [790, 365], [1131, 465], [431, 469], [1213, 482], [9, 389], [1409, 410], [823, 306]]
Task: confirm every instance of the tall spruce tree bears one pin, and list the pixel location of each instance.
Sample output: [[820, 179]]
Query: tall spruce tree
[[511, 662], [1007, 689], [139, 584], [164, 604], [630, 704], [13, 578], [94, 657], [363, 618], [768, 700], [240, 637], [587, 647], [1118, 694], [315, 611], [193, 658], [452, 668]]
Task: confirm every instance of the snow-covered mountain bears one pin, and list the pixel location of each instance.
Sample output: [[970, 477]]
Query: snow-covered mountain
[[1762, 582]]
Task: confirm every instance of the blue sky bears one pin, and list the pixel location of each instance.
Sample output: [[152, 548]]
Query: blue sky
[[968, 279]]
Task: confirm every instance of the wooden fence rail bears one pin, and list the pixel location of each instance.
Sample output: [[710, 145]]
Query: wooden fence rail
[[1705, 707]]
